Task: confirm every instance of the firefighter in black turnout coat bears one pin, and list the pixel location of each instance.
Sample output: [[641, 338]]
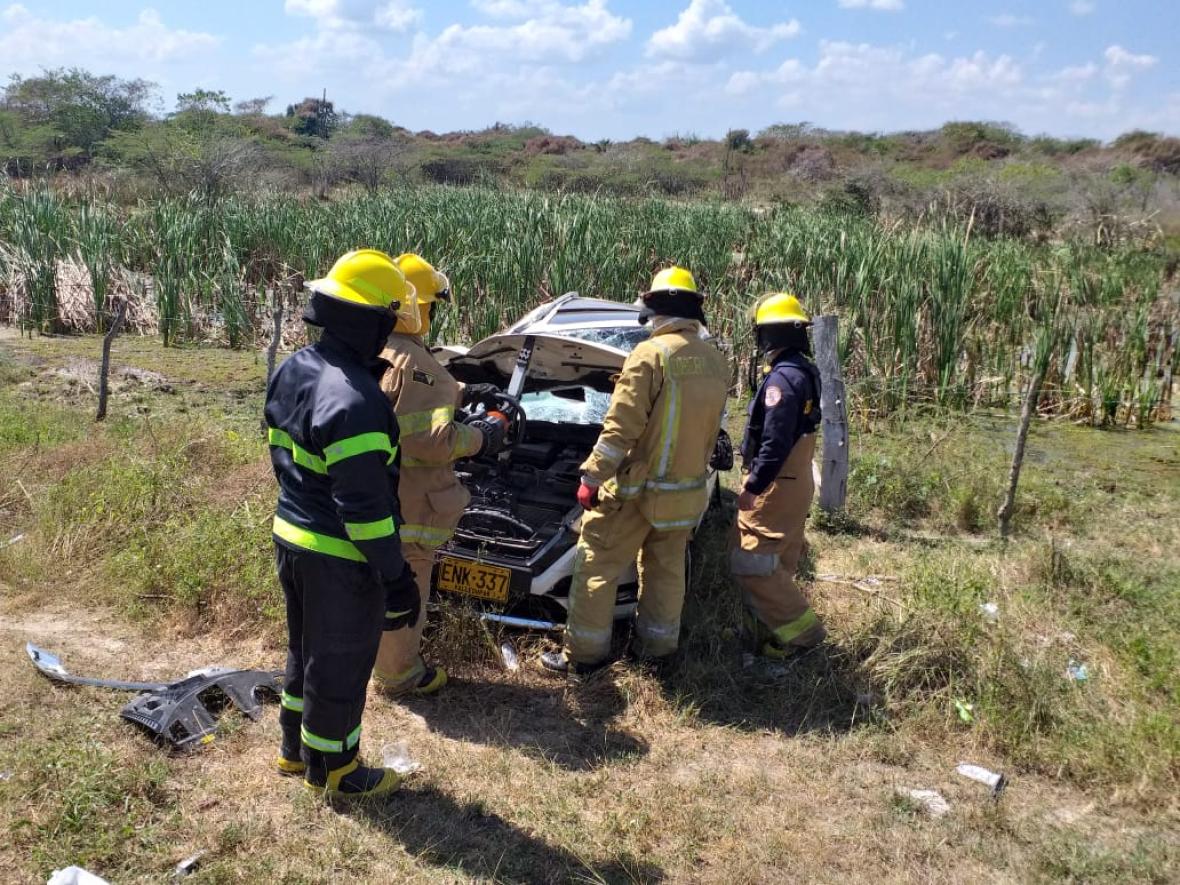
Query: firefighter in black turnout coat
[[333, 443]]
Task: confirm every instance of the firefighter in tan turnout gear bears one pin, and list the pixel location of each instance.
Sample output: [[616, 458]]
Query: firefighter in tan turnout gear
[[776, 494], [424, 398], [644, 485]]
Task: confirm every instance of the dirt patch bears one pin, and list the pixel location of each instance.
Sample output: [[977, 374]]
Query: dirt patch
[[242, 484]]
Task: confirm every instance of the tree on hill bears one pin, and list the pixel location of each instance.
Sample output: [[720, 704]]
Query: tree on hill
[[314, 117], [203, 100], [253, 107], [65, 114]]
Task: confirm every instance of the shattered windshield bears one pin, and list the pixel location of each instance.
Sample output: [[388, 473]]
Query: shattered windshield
[[566, 405], [622, 339]]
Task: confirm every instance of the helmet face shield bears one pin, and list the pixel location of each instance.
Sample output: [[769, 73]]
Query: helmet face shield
[[409, 317]]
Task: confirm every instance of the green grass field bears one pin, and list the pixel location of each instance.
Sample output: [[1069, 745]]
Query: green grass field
[[146, 554]]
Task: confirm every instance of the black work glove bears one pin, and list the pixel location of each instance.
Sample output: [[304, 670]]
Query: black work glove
[[494, 428], [403, 602], [509, 407], [476, 393], [722, 457]]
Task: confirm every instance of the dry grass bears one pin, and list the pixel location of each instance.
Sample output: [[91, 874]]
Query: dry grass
[[712, 772]]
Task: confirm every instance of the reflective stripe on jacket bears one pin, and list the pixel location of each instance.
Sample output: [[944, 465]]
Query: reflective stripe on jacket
[[785, 408], [334, 448], [425, 397], [662, 424]]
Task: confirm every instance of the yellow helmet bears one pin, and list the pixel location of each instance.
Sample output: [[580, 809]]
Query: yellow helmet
[[367, 277], [674, 279], [780, 307], [432, 285]]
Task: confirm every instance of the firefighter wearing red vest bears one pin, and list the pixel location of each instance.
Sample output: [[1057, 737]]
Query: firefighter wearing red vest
[[644, 488], [778, 485]]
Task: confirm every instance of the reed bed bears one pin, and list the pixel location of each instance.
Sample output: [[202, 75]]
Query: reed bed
[[929, 314]]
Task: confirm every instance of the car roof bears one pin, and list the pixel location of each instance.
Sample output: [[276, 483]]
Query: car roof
[[572, 311]]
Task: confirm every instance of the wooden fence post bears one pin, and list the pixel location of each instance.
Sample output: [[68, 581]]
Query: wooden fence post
[[105, 368], [1008, 507], [834, 471], [276, 336]]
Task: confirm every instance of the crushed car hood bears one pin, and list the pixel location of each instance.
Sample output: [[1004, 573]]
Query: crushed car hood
[[557, 360]]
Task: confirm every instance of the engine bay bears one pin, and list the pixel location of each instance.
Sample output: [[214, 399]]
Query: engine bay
[[527, 494]]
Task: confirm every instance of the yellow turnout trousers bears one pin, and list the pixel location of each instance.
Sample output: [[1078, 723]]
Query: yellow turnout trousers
[[424, 397], [768, 542], [612, 536]]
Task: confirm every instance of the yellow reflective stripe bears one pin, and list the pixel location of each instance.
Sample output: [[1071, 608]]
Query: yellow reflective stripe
[[797, 627], [354, 738], [466, 443], [300, 455], [431, 419], [413, 422], [407, 461], [324, 745], [669, 524], [663, 630], [681, 486], [367, 531], [384, 299], [316, 542], [425, 535], [359, 445], [608, 452], [671, 413], [290, 702]]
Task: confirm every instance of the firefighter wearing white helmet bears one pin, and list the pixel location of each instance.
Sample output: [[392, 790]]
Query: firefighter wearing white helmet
[[643, 487], [778, 486], [424, 397]]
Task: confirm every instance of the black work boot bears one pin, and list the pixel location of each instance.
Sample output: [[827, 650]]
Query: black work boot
[[429, 681], [779, 651], [289, 761], [557, 662], [337, 776]]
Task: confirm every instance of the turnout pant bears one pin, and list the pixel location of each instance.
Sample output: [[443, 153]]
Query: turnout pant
[[766, 547], [611, 540], [399, 659], [335, 609]]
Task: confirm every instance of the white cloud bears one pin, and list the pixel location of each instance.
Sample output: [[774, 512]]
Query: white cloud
[[30, 41], [1122, 65], [390, 15], [1082, 7], [1076, 73], [888, 84], [709, 29], [526, 37], [541, 31], [1010, 20], [882, 5]]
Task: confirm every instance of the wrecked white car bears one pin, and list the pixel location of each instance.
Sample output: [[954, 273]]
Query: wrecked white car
[[513, 550]]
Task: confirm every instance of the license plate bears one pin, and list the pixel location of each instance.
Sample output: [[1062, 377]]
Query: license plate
[[473, 579]]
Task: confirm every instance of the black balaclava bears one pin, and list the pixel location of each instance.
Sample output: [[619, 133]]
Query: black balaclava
[[357, 328], [775, 341], [789, 337], [673, 303]]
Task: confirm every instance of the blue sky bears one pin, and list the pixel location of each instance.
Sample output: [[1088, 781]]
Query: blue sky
[[619, 68]]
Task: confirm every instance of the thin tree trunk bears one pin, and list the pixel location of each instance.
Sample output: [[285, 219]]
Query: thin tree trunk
[[1004, 514], [272, 349], [276, 336], [105, 368]]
